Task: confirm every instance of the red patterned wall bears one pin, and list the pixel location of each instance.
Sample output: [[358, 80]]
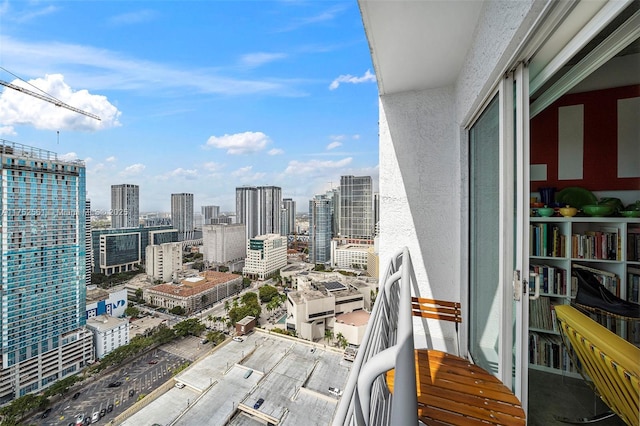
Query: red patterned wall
[[600, 141]]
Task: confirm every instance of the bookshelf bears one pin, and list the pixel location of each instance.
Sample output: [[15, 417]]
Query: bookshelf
[[607, 246]]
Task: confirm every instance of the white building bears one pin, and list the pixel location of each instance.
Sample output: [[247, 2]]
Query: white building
[[266, 254], [109, 333], [223, 244], [101, 302], [163, 260], [352, 326], [349, 255]]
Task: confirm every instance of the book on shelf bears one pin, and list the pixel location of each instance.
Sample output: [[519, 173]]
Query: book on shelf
[[602, 244], [553, 279], [608, 279], [546, 240], [633, 284], [633, 244], [542, 314]]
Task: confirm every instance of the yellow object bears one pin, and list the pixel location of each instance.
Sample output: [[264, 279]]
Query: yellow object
[[612, 363], [568, 211]]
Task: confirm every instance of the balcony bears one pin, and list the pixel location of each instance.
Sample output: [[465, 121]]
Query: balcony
[[392, 383]]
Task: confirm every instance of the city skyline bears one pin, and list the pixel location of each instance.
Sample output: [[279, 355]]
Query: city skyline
[[232, 94]]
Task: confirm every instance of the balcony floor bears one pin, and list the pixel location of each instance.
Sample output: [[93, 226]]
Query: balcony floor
[[552, 394]]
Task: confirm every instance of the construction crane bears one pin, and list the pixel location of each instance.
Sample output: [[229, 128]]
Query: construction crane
[[50, 99]]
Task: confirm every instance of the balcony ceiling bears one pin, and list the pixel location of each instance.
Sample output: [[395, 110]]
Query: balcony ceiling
[[418, 45]]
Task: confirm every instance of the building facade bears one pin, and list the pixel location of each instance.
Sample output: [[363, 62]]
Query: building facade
[[246, 209], [119, 250], [182, 215], [163, 260], [125, 206], [194, 293], [320, 224], [266, 254], [353, 256], [42, 259], [356, 207], [288, 217], [101, 302], [87, 242], [223, 244], [109, 333], [208, 213]]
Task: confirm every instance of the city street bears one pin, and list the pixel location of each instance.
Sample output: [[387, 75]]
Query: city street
[[137, 378]]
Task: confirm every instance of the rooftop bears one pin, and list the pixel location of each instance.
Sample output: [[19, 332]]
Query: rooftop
[[355, 318], [292, 376], [195, 285]]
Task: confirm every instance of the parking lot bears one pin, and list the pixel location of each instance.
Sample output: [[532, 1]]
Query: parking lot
[[128, 383]]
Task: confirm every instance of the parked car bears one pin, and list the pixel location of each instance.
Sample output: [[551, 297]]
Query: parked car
[[109, 408], [131, 392], [204, 341], [153, 361], [76, 395], [335, 391], [95, 417], [103, 412], [115, 384], [258, 403], [179, 385], [46, 413], [238, 339]]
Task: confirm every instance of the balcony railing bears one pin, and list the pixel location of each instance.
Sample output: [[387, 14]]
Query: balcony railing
[[387, 344]]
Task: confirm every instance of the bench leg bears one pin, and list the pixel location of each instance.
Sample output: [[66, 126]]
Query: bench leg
[[586, 420]]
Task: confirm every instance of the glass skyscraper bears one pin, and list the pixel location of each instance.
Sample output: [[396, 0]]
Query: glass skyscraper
[[258, 208], [320, 229], [356, 207], [42, 263], [125, 206], [182, 215]]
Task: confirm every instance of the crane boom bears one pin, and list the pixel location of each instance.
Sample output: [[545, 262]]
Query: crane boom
[[48, 99]]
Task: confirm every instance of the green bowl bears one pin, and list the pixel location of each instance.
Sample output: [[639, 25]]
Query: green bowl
[[598, 210], [546, 211], [630, 213]]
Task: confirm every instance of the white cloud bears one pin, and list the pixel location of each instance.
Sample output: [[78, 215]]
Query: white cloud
[[275, 151], [69, 156], [334, 144], [253, 60], [133, 17], [112, 69], [111, 159], [21, 108], [213, 167], [239, 143], [356, 137], [189, 174], [315, 166], [133, 170], [246, 175], [368, 77], [7, 130]]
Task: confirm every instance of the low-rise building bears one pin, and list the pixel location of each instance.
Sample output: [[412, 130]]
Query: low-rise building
[[194, 293], [103, 302], [353, 256], [245, 325], [352, 326], [266, 254], [109, 333]]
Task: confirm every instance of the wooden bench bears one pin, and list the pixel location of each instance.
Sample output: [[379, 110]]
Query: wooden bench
[[453, 391]]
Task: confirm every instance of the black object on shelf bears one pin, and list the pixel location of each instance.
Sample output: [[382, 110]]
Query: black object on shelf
[[593, 294]]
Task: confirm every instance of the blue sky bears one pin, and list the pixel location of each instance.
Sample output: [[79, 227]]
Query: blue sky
[[194, 96]]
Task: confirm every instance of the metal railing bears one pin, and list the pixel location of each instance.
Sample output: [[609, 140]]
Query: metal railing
[[387, 344]]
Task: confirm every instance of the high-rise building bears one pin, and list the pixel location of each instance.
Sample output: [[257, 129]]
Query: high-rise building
[[87, 242], [320, 229], [246, 209], [208, 213], [182, 215], [269, 204], [288, 217], [259, 209], [42, 258], [125, 206], [356, 207], [224, 244]]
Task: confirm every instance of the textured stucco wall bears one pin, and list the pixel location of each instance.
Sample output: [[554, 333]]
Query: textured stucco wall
[[423, 160]]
